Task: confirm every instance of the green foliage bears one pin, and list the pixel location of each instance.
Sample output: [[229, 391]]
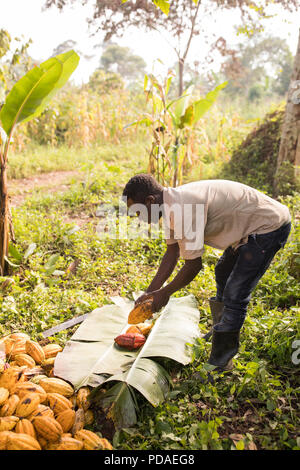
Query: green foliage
[[255, 404], [254, 161], [14, 61], [30, 95]]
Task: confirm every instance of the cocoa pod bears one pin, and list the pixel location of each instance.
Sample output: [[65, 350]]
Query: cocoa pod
[[130, 341]]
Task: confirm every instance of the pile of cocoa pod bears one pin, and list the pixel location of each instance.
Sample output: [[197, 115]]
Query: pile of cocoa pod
[[37, 410]]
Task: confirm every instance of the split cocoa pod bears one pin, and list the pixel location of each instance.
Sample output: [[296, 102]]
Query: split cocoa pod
[[141, 312]]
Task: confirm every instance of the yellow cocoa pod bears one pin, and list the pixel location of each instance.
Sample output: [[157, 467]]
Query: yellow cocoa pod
[[88, 417], [133, 329], [24, 426], [20, 336], [55, 385], [48, 428], [37, 378], [9, 408], [82, 399], [14, 346], [58, 402], [4, 394], [24, 360], [66, 419], [22, 442], [144, 328], [90, 440], [141, 312], [41, 410], [8, 423], [51, 350], [27, 404], [3, 439], [29, 387], [10, 378], [69, 443], [105, 444], [79, 421], [35, 351]]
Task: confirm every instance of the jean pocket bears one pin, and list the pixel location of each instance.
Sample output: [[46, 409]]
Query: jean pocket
[[266, 241]]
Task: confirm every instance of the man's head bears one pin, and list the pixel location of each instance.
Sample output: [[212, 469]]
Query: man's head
[[143, 189]]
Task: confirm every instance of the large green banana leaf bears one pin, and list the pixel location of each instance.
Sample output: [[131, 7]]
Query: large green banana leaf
[[31, 94], [91, 357]]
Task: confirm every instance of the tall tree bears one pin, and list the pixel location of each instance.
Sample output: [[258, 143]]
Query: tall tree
[[183, 21], [122, 60], [265, 62], [288, 162]]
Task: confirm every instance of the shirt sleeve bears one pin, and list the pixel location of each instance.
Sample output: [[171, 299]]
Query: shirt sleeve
[[170, 240], [187, 254]]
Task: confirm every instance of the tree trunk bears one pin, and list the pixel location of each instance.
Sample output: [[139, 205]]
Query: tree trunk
[[289, 151], [4, 221], [180, 75]]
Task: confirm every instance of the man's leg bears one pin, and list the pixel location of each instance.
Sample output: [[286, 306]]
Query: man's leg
[[253, 260], [223, 269]]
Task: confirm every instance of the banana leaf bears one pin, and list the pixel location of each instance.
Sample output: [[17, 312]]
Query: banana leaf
[[92, 358], [31, 94]]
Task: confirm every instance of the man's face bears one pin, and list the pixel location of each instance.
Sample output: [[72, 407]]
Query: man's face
[[145, 212]]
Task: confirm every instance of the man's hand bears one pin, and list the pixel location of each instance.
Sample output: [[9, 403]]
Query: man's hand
[[160, 299]]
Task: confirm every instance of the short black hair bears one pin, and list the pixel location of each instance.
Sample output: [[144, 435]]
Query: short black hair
[[141, 186]]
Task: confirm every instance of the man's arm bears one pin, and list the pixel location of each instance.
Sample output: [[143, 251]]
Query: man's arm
[[186, 274], [164, 271], [166, 267]]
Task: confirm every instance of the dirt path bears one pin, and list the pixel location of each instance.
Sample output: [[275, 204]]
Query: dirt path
[[55, 181], [52, 182]]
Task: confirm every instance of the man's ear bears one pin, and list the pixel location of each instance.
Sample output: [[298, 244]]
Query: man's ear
[[149, 200]]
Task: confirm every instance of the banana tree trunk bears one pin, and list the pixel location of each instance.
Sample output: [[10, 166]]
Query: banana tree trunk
[[4, 221]]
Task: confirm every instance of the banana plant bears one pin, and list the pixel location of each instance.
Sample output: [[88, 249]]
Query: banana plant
[[185, 116], [26, 100], [170, 122], [92, 358]]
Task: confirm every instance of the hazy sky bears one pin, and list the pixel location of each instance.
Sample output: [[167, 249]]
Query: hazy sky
[[49, 28]]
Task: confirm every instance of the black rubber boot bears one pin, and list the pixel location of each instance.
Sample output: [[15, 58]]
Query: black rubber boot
[[216, 309], [225, 345]]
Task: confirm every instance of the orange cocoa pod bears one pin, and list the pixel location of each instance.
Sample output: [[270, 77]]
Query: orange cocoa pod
[[35, 351], [66, 419], [41, 410], [9, 406], [51, 350], [133, 329], [29, 387], [141, 312], [24, 426], [18, 441]]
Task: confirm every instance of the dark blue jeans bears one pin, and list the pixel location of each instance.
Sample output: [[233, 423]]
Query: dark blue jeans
[[238, 272]]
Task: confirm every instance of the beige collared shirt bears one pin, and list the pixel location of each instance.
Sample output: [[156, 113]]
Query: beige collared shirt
[[218, 213]]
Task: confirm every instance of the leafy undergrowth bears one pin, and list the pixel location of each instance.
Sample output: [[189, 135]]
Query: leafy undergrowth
[[254, 406]]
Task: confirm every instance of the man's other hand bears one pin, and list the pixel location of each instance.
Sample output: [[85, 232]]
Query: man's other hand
[[160, 299]]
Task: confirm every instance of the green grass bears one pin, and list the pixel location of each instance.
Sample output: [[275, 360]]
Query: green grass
[[42, 159], [259, 400]]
